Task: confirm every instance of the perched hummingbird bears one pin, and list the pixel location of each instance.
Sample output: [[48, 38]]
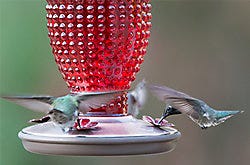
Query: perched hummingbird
[[195, 109], [137, 98], [62, 110]]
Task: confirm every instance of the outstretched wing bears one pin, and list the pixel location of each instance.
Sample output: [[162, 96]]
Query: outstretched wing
[[163, 92], [96, 100], [141, 93], [137, 98], [132, 107], [191, 107], [35, 103], [178, 100]]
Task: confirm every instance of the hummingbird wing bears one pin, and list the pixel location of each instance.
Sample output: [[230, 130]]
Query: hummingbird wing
[[191, 107], [178, 100], [35, 103], [94, 101], [163, 92], [141, 93], [137, 98], [132, 107]]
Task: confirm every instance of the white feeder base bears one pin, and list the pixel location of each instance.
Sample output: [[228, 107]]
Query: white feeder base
[[114, 136]]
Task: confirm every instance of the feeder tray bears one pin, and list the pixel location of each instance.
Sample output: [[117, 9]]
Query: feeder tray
[[114, 136], [99, 46]]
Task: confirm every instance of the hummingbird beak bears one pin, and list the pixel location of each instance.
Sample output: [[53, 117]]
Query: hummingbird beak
[[162, 118], [164, 115], [78, 122]]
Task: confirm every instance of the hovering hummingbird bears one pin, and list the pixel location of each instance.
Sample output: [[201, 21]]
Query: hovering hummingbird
[[63, 110], [195, 109], [137, 98]]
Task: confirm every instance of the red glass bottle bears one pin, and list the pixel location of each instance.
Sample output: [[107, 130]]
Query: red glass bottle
[[99, 45]]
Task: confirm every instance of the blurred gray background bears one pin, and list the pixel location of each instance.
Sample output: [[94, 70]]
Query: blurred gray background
[[199, 47]]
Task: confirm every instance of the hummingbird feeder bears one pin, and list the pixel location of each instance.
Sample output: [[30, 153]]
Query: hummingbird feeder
[[99, 46]]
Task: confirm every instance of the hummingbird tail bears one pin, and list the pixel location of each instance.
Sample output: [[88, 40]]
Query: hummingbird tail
[[222, 116]]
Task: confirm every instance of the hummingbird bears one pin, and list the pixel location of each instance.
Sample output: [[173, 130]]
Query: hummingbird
[[62, 110], [137, 98], [195, 109]]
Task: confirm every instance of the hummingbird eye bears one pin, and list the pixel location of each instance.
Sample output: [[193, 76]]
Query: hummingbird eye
[[50, 112]]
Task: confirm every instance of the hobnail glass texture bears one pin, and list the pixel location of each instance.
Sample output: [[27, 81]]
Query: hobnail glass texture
[[99, 45]]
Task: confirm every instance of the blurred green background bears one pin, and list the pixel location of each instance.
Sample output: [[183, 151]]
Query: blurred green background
[[199, 47]]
